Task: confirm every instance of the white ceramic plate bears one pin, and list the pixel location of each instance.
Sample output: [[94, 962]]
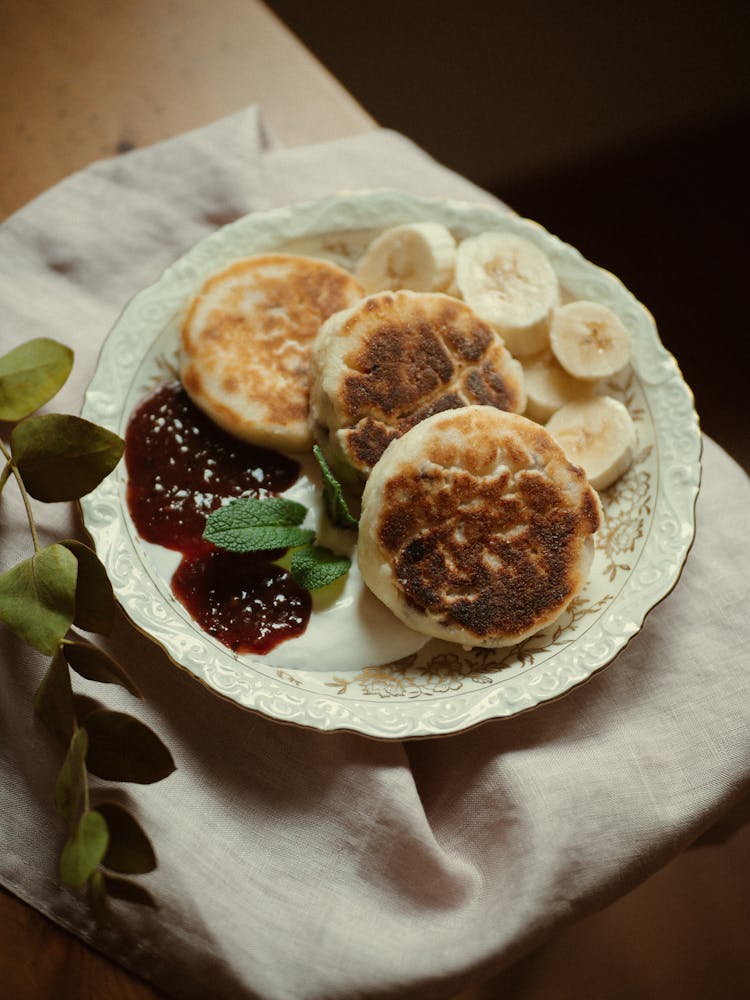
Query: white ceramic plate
[[649, 513]]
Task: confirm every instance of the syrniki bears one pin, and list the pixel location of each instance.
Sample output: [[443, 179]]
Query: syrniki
[[246, 344], [475, 527], [394, 359]]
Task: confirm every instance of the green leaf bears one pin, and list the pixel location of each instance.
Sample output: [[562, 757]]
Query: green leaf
[[254, 525], [85, 850], [260, 539], [37, 597], [125, 888], [333, 496], [95, 602], [315, 566], [62, 457], [121, 748], [30, 375], [96, 665], [53, 701], [130, 850], [69, 784]]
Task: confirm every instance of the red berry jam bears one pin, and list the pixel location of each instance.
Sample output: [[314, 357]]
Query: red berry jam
[[181, 466]]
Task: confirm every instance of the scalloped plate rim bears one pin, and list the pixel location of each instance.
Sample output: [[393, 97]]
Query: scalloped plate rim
[[322, 712]]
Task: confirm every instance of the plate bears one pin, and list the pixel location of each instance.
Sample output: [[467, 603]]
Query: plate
[[649, 513]]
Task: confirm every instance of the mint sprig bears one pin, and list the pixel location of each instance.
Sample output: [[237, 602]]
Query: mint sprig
[[257, 525], [315, 566], [333, 496]]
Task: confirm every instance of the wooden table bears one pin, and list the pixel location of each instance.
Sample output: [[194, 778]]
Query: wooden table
[[86, 79], [83, 80]]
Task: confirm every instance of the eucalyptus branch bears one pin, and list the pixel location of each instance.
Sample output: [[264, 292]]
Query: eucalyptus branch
[[57, 458]]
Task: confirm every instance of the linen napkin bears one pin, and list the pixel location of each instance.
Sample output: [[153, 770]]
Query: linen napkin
[[294, 864]]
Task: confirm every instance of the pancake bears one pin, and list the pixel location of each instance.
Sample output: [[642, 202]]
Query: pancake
[[394, 359], [475, 528], [246, 343]]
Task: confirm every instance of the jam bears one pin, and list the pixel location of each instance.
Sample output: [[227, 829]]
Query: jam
[[181, 466]]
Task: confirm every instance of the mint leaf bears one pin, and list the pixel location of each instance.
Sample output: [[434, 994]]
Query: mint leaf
[[333, 496], [316, 566], [257, 525]]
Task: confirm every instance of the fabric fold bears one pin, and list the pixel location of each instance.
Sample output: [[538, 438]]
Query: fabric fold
[[297, 864]]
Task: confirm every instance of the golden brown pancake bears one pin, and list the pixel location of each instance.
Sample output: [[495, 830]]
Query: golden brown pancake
[[394, 359], [475, 528], [246, 344]]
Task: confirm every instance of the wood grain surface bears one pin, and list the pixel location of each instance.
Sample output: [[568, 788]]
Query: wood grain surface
[[39, 960], [86, 79]]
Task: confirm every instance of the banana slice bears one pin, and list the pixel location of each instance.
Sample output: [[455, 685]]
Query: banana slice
[[511, 285], [418, 256], [589, 340], [548, 387], [598, 434]]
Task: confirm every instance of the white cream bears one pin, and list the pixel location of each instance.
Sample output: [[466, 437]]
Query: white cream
[[349, 627]]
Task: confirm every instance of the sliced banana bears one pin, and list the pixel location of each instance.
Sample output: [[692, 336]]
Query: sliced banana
[[598, 434], [548, 386], [510, 284], [418, 256], [589, 340]]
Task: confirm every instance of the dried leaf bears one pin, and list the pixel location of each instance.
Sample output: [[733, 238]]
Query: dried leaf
[[96, 665], [122, 748], [125, 888], [130, 850], [53, 701], [62, 457], [95, 602], [30, 375], [85, 850], [37, 597], [69, 786]]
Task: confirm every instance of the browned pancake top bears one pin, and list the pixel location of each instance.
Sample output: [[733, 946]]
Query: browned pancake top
[[414, 358], [486, 548], [247, 336]]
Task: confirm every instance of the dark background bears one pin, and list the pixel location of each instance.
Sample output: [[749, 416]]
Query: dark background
[[621, 128]]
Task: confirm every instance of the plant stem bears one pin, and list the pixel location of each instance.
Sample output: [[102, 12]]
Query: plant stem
[[4, 475], [86, 802], [10, 467]]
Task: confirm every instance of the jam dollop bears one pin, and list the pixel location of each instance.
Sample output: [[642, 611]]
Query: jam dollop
[[181, 466]]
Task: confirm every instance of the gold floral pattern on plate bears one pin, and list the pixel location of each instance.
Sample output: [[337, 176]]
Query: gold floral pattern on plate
[[443, 689]]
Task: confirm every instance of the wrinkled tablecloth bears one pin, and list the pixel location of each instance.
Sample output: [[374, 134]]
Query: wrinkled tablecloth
[[294, 864]]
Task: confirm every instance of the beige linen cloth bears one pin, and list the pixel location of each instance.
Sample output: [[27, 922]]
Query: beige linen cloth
[[294, 864]]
